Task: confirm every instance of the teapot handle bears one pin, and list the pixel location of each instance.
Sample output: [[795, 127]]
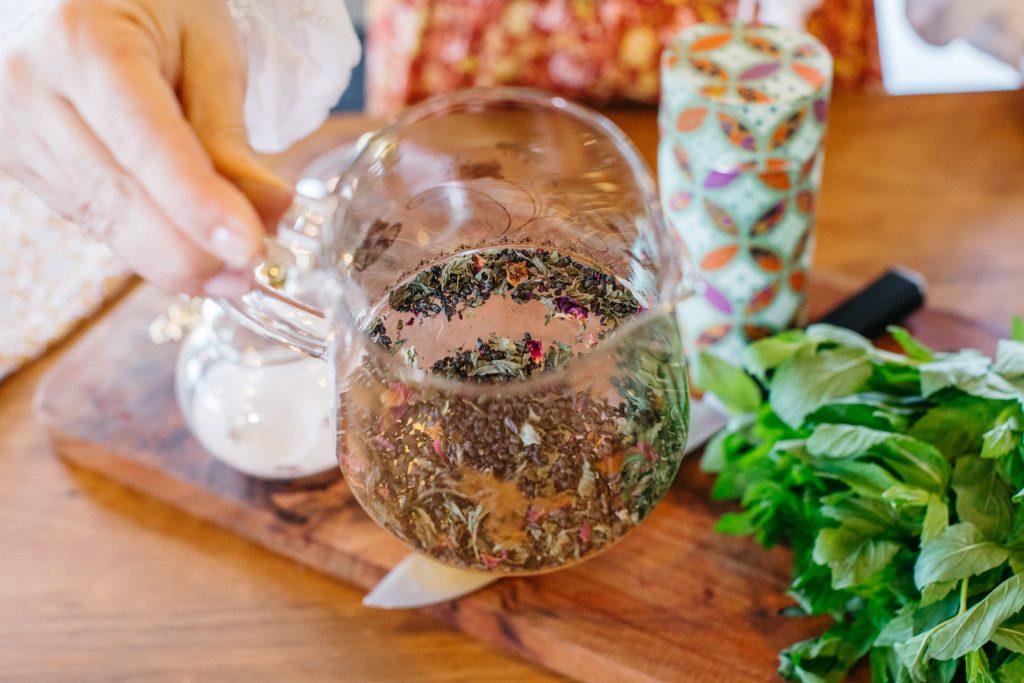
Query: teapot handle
[[270, 309]]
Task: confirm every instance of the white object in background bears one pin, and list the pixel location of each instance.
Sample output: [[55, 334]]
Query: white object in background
[[52, 275], [418, 581], [788, 13], [263, 409], [707, 418], [301, 56], [911, 66], [993, 26]]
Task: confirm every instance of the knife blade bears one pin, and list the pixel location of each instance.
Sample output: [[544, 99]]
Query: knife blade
[[418, 581]]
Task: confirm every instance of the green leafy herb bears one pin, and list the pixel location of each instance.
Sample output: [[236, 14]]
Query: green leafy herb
[[898, 483], [811, 379], [736, 389], [912, 347]]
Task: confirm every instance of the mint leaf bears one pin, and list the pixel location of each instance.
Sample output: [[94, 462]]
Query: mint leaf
[[931, 614], [1017, 329], [994, 386], [735, 524], [911, 346], [768, 354], [974, 628], [970, 630], [918, 463], [899, 628], [1009, 358], [829, 657], [859, 461], [936, 518], [737, 391], [852, 557], [976, 668], [808, 380], [866, 516], [865, 412], [902, 495], [1012, 671], [956, 427], [896, 379], [865, 478], [825, 333], [1002, 438], [958, 370], [844, 441], [1010, 635], [936, 592], [957, 552], [713, 459], [982, 497]]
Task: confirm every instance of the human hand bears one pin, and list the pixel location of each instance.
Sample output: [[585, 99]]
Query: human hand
[[126, 117]]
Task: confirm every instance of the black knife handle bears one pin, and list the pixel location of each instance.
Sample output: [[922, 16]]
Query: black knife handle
[[886, 301]]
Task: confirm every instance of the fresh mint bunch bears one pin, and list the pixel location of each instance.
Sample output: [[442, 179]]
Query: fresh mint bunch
[[897, 480]]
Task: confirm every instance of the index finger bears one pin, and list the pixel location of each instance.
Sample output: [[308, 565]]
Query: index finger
[[130, 105]]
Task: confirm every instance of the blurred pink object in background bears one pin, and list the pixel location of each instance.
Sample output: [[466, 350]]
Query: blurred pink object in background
[[596, 52]]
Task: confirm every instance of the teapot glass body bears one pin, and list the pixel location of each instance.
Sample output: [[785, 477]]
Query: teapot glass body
[[496, 294]]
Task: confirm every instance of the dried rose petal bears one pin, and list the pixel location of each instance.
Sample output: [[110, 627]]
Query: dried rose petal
[[353, 463], [585, 532], [535, 348], [492, 561], [569, 306], [516, 273], [381, 442]]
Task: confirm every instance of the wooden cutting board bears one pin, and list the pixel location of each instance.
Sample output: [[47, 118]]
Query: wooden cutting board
[[672, 601]]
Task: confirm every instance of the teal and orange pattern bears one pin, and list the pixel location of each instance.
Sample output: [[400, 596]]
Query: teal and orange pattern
[[742, 119]]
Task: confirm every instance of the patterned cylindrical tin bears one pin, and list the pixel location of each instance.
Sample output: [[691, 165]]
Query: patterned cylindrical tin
[[742, 119]]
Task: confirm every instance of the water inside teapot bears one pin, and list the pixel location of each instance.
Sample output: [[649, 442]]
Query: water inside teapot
[[514, 482]]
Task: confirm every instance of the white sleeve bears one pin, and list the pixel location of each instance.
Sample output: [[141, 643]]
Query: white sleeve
[[993, 26], [14, 14], [301, 55]]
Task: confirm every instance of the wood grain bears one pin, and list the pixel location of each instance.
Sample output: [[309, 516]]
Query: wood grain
[[98, 583], [109, 405]]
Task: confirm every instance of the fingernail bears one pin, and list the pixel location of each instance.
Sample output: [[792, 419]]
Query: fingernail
[[228, 284], [232, 248]]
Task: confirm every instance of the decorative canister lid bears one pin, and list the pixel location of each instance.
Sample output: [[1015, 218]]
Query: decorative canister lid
[[743, 93]]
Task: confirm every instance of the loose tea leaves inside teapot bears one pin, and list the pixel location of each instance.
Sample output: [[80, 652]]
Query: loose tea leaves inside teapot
[[521, 481], [517, 401]]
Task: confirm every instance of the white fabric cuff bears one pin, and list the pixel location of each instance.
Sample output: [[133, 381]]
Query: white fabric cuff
[[301, 56]]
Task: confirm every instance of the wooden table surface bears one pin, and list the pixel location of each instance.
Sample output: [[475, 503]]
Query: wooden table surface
[[97, 583]]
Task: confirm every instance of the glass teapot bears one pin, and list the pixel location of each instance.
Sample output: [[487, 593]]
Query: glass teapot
[[494, 288]]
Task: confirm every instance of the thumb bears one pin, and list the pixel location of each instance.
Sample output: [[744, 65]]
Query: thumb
[[270, 194], [213, 78]]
